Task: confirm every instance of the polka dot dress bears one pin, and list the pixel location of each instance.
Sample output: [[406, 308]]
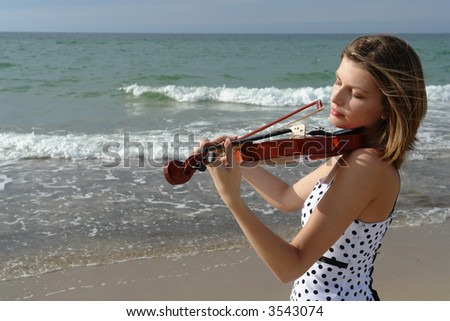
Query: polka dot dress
[[344, 271]]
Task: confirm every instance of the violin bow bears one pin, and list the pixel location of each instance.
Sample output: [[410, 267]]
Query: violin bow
[[317, 103], [178, 172], [250, 137]]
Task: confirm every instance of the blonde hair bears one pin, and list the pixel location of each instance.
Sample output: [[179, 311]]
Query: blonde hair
[[397, 71]]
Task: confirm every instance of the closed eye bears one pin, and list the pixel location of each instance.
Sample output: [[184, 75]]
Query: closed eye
[[338, 81]]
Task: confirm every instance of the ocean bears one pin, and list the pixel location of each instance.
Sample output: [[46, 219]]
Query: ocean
[[88, 120]]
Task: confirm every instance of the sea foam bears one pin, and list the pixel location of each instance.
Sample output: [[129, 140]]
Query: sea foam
[[269, 96], [14, 146], [115, 148]]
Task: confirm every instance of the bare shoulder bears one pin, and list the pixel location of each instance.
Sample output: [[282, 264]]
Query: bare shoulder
[[366, 162], [375, 182], [362, 186]]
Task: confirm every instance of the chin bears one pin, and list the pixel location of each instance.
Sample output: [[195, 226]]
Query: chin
[[338, 123]]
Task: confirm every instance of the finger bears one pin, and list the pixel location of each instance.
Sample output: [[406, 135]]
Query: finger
[[219, 139], [203, 142], [220, 155], [218, 151], [229, 155]]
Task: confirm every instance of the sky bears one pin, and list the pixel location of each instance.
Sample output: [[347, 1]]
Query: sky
[[226, 16]]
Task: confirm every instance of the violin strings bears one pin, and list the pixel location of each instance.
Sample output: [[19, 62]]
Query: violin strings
[[301, 118], [317, 103], [281, 130]]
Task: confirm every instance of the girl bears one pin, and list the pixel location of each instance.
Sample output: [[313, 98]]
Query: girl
[[346, 203]]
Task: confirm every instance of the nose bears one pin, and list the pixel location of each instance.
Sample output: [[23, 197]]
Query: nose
[[337, 95]]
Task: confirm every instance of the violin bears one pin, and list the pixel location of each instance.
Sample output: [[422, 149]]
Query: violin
[[310, 146]]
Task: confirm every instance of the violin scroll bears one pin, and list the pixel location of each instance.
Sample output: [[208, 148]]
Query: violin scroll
[[176, 173]]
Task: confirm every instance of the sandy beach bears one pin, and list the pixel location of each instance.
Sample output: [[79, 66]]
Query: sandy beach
[[413, 264]]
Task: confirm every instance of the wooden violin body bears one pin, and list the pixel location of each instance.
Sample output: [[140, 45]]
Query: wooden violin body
[[317, 145], [312, 148]]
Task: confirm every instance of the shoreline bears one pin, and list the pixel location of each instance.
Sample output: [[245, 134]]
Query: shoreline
[[412, 265]]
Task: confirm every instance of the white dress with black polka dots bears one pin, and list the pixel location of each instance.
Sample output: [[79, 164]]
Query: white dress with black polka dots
[[344, 271]]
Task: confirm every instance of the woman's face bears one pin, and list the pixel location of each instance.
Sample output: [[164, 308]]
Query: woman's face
[[355, 99]]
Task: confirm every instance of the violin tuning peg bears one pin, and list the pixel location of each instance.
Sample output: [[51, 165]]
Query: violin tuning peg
[[298, 131]]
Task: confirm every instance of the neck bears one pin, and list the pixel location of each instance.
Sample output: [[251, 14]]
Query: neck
[[373, 136]]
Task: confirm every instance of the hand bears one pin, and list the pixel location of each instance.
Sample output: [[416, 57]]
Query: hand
[[226, 173]]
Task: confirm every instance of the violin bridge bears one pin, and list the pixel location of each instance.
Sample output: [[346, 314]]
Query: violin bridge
[[298, 131]]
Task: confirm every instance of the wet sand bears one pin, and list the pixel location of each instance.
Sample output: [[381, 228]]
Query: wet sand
[[413, 264]]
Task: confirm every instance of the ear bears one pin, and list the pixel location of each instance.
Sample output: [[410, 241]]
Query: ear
[[385, 114]]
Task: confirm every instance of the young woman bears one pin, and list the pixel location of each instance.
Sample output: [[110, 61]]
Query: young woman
[[347, 202]]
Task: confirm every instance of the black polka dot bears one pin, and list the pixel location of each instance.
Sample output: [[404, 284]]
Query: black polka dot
[[357, 247]]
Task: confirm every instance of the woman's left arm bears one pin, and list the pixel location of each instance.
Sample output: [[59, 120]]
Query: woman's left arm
[[272, 249]]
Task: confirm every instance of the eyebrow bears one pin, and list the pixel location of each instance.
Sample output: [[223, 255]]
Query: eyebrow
[[353, 87]]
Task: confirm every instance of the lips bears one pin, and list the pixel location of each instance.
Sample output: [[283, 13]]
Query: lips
[[335, 113]]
